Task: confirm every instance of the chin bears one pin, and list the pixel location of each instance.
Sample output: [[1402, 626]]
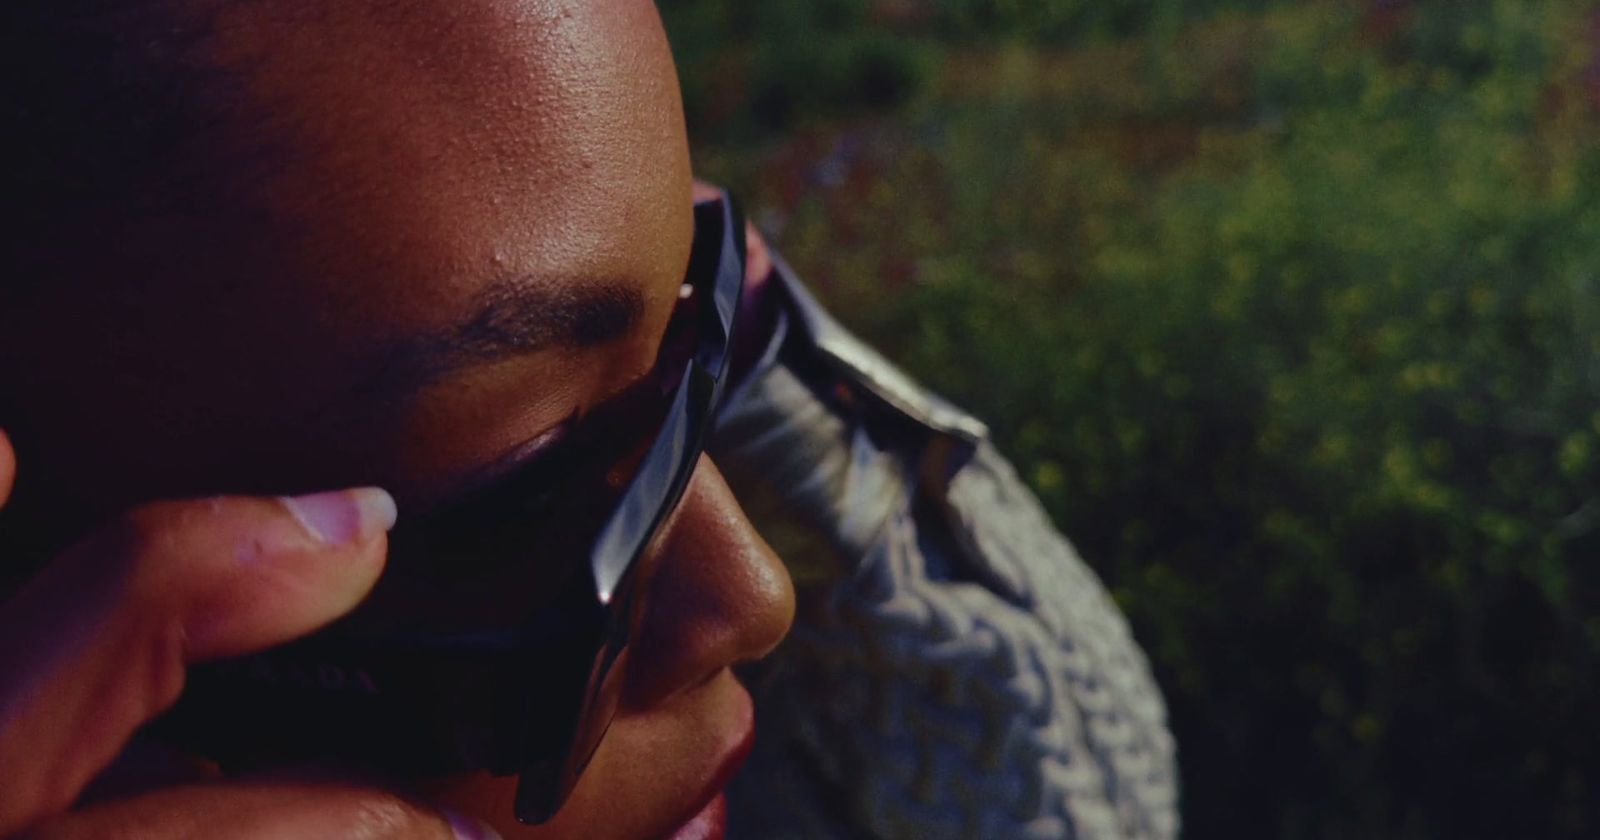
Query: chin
[[658, 774]]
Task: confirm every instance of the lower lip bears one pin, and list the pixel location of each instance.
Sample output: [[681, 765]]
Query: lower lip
[[710, 824]]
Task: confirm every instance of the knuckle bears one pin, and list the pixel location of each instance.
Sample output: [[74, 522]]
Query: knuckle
[[141, 557], [113, 553], [157, 529], [149, 528], [124, 547]]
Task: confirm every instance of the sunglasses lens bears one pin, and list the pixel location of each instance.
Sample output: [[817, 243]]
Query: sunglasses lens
[[547, 780]]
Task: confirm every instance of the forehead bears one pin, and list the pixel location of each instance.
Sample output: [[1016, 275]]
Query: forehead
[[456, 137], [433, 160]]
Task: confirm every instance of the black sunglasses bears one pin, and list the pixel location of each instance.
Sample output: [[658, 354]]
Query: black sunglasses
[[425, 679]]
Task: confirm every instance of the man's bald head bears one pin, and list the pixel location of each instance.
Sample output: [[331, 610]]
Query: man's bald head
[[263, 110], [247, 224]]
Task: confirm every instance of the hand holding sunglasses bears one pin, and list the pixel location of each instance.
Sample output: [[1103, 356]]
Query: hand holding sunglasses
[[499, 637]]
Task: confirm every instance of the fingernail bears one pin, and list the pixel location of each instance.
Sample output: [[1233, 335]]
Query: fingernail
[[344, 516], [467, 828]]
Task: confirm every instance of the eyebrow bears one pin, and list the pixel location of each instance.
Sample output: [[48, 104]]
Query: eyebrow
[[511, 317]]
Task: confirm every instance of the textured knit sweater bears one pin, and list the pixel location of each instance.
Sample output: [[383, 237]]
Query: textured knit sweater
[[955, 669]]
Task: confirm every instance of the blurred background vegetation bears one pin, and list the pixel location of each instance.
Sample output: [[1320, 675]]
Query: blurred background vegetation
[[1288, 311]]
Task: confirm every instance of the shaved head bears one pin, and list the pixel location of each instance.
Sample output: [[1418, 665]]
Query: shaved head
[[287, 201], [139, 110]]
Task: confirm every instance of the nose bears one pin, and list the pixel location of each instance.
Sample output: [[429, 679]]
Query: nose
[[716, 596]]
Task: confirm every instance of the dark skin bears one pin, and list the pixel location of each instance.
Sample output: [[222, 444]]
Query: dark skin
[[453, 165]]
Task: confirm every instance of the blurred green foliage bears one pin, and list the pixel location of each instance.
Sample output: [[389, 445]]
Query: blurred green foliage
[[1290, 312]]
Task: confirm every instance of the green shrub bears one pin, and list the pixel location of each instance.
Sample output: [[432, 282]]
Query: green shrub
[[1291, 318]]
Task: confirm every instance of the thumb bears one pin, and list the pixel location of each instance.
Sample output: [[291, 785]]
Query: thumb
[[97, 644]]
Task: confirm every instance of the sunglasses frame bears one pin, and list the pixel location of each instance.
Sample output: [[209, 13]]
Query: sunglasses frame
[[652, 495]]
